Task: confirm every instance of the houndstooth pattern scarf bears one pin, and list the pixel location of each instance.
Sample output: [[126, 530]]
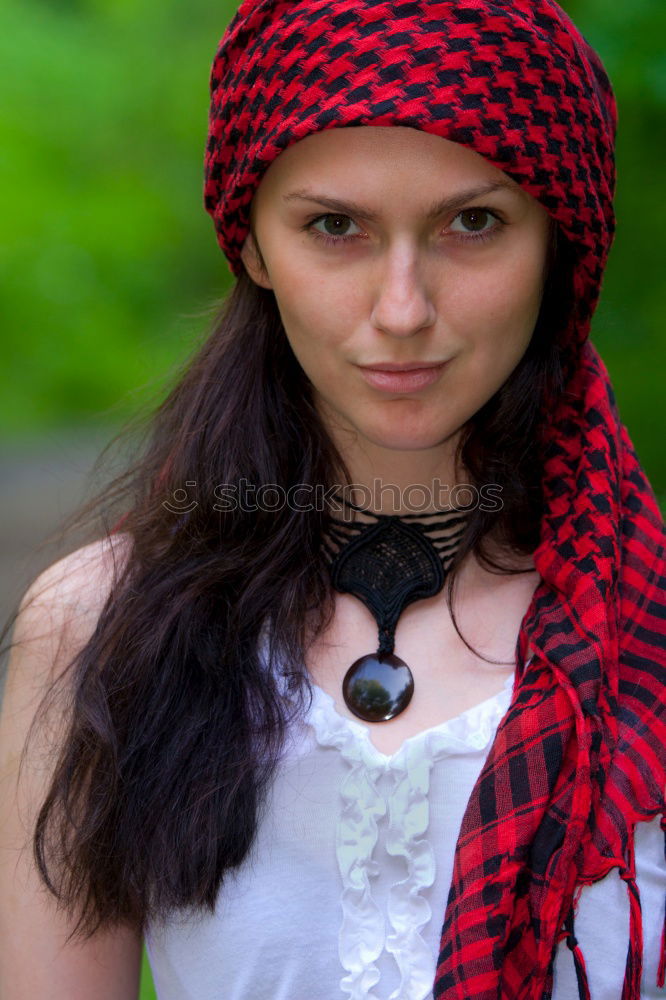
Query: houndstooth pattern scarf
[[580, 757]]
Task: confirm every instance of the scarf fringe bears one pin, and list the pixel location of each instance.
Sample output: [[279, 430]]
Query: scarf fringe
[[661, 973], [631, 989], [579, 961]]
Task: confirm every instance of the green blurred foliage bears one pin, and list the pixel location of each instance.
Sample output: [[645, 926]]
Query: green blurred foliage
[[107, 258], [108, 262], [147, 987]]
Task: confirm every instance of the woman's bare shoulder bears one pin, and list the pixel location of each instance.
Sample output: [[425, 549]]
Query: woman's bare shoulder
[[58, 613], [70, 594], [83, 577], [56, 617]]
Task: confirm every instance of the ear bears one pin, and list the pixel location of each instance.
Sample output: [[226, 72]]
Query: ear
[[252, 261]]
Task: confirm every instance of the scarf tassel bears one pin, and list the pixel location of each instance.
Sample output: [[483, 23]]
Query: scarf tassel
[[579, 961], [631, 989], [661, 973]]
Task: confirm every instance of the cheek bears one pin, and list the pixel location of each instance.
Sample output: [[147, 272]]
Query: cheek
[[498, 315], [318, 320]]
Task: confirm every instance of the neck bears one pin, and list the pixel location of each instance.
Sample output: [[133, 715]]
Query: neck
[[396, 481]]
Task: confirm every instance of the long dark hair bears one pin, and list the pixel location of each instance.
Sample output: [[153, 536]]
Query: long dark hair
[[177, 723]]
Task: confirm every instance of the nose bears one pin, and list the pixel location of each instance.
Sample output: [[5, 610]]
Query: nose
[[402, 303]]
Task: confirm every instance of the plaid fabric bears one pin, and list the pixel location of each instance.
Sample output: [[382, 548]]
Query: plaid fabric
[[580, 757]]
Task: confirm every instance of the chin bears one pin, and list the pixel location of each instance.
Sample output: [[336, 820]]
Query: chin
[[402, 437]]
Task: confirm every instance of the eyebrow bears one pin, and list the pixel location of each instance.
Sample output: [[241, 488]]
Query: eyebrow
[[442, 207]]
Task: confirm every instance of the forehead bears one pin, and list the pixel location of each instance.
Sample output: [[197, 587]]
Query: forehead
[[378, 172], [367, 153]]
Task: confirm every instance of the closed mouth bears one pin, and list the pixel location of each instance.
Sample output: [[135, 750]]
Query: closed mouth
[[407, 367]]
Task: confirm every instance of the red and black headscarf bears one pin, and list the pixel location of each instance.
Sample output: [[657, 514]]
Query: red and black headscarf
[[580, 757]]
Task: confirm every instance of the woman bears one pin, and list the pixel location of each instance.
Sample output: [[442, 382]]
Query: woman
[[471, 802]]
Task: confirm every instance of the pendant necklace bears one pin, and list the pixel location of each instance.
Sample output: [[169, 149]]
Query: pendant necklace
[[387, 563]]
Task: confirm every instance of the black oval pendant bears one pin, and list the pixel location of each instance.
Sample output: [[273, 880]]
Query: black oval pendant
[[377, 687]]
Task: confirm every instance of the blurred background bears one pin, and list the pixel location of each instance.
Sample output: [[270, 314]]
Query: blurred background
[[109, 266]]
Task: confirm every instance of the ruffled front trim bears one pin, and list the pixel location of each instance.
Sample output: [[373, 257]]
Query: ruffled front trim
[[363, 932], [408, 911]]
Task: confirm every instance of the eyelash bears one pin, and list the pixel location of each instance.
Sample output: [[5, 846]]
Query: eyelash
[[337, 240]]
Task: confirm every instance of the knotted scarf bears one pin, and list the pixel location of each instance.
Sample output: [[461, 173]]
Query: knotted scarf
[[580, 757]]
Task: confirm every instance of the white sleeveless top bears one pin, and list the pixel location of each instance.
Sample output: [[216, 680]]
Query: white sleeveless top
[[344, 890]]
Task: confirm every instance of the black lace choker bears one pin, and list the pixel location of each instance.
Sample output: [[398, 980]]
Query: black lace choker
[[388, 562]]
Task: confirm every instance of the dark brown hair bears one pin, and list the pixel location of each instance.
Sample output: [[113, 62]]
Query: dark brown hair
[[177, 726]]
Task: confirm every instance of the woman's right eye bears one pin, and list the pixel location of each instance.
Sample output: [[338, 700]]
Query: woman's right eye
[[336, 228]]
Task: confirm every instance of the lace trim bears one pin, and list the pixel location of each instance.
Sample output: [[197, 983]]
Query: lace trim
[[471, 730], [363, 932]]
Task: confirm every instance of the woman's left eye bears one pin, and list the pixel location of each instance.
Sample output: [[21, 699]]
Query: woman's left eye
[[476, 218]]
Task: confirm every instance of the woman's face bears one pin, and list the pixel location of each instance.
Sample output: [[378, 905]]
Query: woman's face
[[387, 246]]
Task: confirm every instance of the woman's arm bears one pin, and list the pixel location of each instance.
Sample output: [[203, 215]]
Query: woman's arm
[[35, 962]]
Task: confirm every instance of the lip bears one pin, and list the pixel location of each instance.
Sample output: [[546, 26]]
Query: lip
[[407, 366], [402, 378]]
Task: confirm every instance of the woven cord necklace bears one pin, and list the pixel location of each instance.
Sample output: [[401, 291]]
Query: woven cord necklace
[[387, 563]]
